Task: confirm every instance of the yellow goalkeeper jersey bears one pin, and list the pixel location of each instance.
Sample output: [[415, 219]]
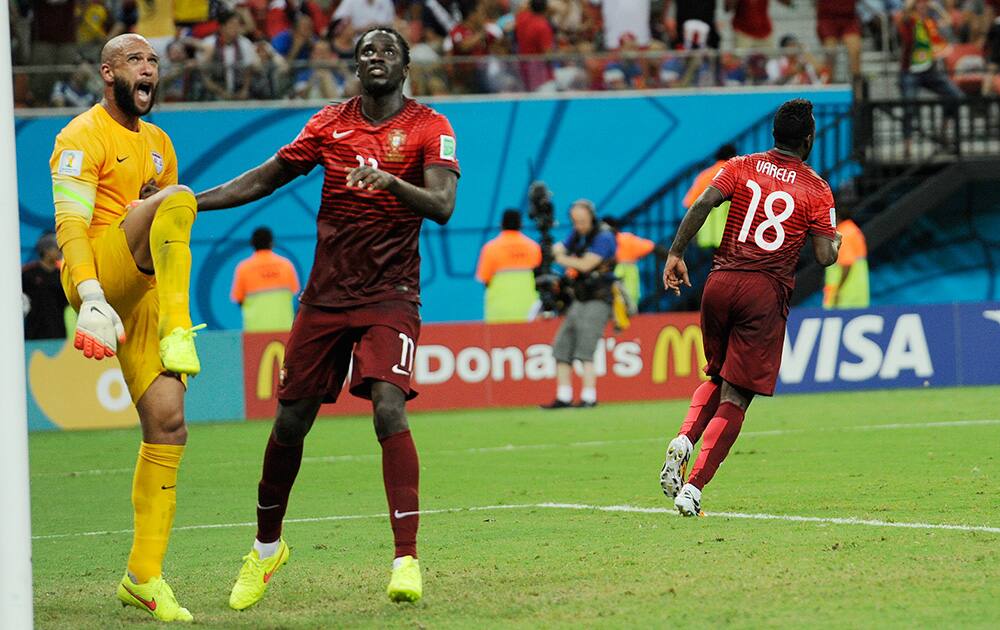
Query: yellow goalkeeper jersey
[[98, 167]]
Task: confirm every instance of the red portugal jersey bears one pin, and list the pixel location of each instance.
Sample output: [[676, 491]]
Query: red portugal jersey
[[776, 200], [367, 242]]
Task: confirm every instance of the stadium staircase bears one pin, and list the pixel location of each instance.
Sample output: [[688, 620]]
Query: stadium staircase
[[897, 184]]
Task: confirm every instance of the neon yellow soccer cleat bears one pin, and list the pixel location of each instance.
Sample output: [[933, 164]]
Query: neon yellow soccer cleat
[[405, 584], [254, 576], [154, 597], [177, 351]]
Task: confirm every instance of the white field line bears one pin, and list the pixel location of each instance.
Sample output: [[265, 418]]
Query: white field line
[[331, 459], [631, 509]]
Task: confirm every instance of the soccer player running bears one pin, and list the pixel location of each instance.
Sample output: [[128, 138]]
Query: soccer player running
[[776, 201], [124, 226], [389, 163]]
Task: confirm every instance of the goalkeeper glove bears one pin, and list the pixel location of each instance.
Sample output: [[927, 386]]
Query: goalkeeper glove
[[99, 330]]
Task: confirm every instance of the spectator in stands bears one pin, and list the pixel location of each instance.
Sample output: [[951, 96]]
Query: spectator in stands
[[623, 17], [693, 25], [794, 67], [92, 31], [53, 41], [710, 235], [921, 45], [439, 16], [323, 81], [264, 286], [76, 91], [837, 22], [19, 14], [572, 20], [534, 36], [475, 36], [180, 78], [272, 79], [295, 45], [991, 52], [188, 13], [846, 283], [364, 14], [614, 78], [155, 22], [507, 268], [752, 28], [44, 300], [229, 60], [427, 74], [588, 255]]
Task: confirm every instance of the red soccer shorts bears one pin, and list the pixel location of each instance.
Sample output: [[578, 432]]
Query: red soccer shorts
[[837, 28], [743, 317], [381, 338]]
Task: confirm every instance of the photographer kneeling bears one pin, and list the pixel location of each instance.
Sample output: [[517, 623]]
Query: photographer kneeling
[[588, 255]]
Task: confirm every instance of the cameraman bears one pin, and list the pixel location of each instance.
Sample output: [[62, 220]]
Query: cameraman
[[588, 254]]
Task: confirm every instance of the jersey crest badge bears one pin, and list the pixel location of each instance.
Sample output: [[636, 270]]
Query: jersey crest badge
[[71, 163], [397, 138], [448, 148], [157, 162]]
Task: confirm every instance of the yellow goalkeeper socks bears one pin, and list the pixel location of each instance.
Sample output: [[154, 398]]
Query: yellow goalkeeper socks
[[154, 498], [170, 246]]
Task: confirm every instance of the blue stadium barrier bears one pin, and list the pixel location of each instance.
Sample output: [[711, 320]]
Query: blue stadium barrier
[[891, 347], [615, 149]]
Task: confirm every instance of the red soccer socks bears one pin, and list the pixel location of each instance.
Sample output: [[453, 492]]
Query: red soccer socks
[[704, 404], [281, 465], [719, 437], [401, 474]]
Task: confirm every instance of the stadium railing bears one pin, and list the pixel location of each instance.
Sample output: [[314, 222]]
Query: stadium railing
[[448, 75]]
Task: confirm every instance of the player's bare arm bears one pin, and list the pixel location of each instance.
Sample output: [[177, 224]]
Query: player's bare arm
[[827, 250], [675, 271], [435, 200], [252, 185]]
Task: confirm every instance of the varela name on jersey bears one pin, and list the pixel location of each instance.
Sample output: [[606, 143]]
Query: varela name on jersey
[[779, 173]]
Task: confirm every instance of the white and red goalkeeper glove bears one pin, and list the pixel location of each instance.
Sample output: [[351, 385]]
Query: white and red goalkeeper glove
[[99, 330]]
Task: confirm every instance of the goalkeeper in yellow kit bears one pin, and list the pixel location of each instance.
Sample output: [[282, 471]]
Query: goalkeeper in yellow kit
[[124, 226]]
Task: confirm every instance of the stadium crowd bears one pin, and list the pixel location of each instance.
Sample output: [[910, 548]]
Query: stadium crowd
[[230, 50]]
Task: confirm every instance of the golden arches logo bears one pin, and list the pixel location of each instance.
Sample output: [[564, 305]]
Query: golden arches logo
[[680, 345], [272, 356]]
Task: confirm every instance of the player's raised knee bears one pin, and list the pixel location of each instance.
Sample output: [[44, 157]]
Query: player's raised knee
[[178, 195]]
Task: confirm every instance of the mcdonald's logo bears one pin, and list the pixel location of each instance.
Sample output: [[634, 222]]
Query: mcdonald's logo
[[672, 342], [271, 359]]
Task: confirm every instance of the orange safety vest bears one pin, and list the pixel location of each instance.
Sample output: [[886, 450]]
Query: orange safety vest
[[506, 267], [264, 286]]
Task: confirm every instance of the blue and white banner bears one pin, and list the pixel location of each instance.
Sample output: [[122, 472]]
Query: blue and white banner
[[888, 347]]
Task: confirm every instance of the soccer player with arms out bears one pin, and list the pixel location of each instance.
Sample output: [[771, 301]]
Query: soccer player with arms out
[[124, 226], [776, 200], [389, 163]]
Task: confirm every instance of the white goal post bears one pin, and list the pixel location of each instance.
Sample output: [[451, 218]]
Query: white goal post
[[15, 504]]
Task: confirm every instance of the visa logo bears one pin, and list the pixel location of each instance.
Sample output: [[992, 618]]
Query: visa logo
[[856, 349]]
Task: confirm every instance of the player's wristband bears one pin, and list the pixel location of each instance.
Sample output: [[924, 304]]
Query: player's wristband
[[90, 290]]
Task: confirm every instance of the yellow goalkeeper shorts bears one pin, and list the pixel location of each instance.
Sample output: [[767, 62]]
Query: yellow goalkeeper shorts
[[132, 294]]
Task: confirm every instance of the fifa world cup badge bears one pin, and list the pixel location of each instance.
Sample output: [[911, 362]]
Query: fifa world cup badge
[[396, 139]]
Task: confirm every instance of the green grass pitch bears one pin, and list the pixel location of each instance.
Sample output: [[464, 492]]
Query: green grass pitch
[[929, 456]]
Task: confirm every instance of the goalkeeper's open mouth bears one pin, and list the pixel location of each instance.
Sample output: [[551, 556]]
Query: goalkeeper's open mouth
[[143, 94]]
